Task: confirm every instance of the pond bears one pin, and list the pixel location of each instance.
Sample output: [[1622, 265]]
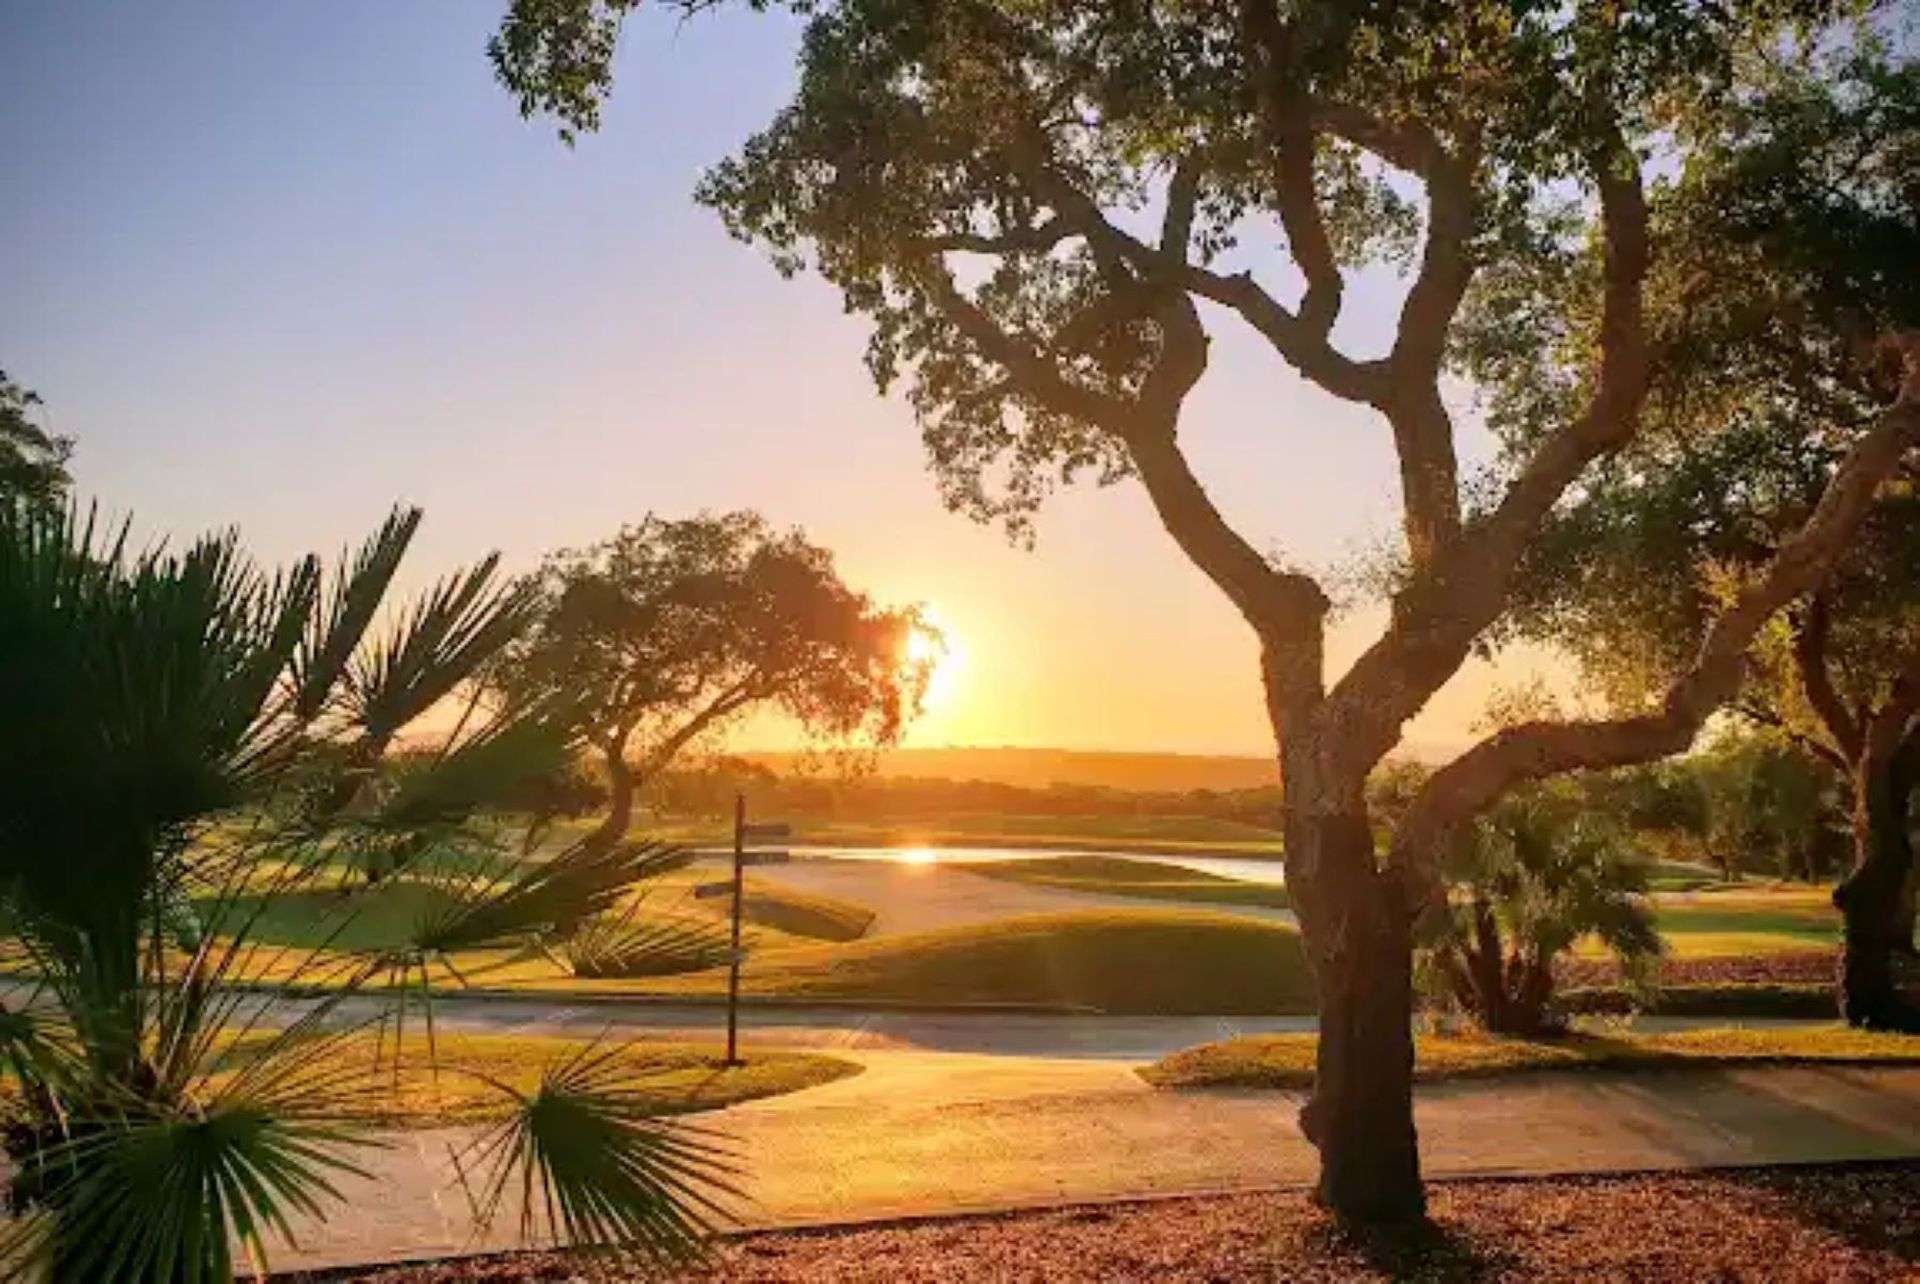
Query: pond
[[1244, 869]]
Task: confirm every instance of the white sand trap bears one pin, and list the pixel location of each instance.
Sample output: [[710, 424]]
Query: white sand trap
[[918, 898]]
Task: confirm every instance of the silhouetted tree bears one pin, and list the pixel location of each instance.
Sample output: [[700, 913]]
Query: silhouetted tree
[[1043, 207], [674, 628], [33, 461]]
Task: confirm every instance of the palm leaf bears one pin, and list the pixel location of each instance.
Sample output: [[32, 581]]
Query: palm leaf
[[574, 886], [592, 1166], [166, 1198], [636, 943], [335, 632], [440, 642]]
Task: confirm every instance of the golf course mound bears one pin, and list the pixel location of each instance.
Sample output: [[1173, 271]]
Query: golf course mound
[[1135, 962]]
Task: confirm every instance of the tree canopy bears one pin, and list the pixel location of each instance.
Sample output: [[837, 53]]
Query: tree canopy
[[33, 461], [675, 628]]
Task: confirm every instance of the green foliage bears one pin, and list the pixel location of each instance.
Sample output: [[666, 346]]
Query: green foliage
[[33, 461], [1788, 236], [1769, 808], [631, 943], [595, 1166], [1541, 870], [167, 713]]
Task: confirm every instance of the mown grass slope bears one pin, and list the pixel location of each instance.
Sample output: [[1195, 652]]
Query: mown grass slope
[[1134, 962]]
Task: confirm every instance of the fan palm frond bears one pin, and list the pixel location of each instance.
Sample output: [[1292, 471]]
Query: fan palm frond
[[166, 1198], [574, 886], [635, 942], [591, 1165], [518, 747], [334, 632], [438, 643]]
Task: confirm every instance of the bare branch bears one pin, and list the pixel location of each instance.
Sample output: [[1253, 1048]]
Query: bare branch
[[1763, 716], [1612, 413], [1183, 197], [1300, 343], [1272, 601]]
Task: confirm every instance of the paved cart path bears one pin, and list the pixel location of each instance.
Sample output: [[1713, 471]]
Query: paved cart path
[[926, 1133]]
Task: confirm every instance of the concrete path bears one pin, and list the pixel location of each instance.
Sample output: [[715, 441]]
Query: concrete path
[[920, 898], [939, 1132], [1019, 1035]]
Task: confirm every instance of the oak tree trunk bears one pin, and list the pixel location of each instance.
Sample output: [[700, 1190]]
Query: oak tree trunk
[[1869, 899], [622, 784], [1358, 932]]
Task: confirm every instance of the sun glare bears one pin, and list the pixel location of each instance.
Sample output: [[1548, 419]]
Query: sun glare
[[945, 656], [918, 856]]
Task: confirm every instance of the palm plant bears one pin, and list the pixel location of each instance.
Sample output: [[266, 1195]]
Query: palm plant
[[1542, 870], [170, 717]]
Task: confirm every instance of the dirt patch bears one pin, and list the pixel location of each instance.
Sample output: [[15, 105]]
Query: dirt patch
[[1799, 1224]]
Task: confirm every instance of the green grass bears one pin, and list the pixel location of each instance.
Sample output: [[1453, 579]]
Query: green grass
[[1286, 1060], [1137, 962], [671, 1078], [375, 918], [1743, 920], [1118, 876]]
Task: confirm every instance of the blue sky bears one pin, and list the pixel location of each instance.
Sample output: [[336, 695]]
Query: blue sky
[[280, 265]]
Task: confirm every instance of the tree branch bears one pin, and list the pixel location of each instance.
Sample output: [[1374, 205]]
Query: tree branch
[[1819, 748], [1300, 341], [1036, 374], [1280, 88], [1037, 237], [1272, 601], [1462, 789], [1811, 630], [730, 700], [1183, 198], [1463, 589]]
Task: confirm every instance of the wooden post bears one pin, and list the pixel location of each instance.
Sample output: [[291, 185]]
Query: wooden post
[[739, 898]]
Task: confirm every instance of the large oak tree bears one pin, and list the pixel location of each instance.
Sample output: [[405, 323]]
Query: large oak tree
[[1045, 207]]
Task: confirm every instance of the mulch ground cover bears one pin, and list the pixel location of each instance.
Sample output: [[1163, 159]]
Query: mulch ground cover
[[1798, 967], [1842, 1223]]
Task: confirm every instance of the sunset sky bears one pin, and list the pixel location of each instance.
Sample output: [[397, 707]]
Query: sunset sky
[[279, 266]]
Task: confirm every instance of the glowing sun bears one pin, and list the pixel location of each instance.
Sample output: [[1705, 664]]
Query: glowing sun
[[944, 654]]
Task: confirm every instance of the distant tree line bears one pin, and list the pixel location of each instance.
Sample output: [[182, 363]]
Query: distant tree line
[[708, 790]]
